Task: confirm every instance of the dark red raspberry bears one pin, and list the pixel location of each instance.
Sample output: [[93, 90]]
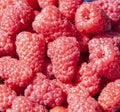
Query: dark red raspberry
[[45, 92], [80, 101], [16, 17], [58, 109], [7, 44], [91, 19], [33, 3], [22, 104], [64, 53], [52, 24], [88, 78], [69, 7], [109, 98], [44, 3], [6, 97], [14, 72], [31, 48], [111, 8], [105, 54], [47, 69]]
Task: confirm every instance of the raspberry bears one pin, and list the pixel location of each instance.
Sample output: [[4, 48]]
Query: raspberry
[[14, 72], [80, 101], [16, 17], [105, 54], [33, 3], [64, 53], [109, 98], [31, 49], [91, 19], [54, 26], [40, 108], [7, 46], [44, 3], [89, 78], [58, 109], [6, 97], [69, 7], [111, 8], [45, 92], [22, 104], [47, 69]]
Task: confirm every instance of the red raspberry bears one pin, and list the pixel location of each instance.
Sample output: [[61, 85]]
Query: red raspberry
[[69, 7], [40, 108], [14, 72], [58, 109], [33, 3], [6, 97], [89, 78], [111, 8], [91, 19], [22, 104], [64, 53], [80, 101], [109, 98], [44, 3], [54, 26], [47, 69], [31, 49], [7, 45], [16, 17], [105, 54], [45, 92]]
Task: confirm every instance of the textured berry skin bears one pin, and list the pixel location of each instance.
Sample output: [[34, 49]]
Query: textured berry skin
[[88, 78], [80, 101], [111, 8], [69, 7], [31, 49], [105, 54], [45, 92], [7, 45], [40, 108], [44, 3], [14, 72], [91, 19], [16, 17], [22, 104], [6, 97], [58, 109], [52, 24], [33, 3], [64, 53], [109, 98]]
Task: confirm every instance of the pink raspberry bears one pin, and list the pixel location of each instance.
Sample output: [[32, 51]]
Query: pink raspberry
[[45, 92], [44, 3], [91, 19], [64, 53], [31, 48], [54, 26], [109, 98], [15, 73], [68, 7], [111, 8], [6, 97], [80, 101], [88, 78], [17, 17], [105, 54], [7, 45]]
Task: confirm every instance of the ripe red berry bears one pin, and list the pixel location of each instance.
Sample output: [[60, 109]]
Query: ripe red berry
[[68, 7], [31, 49], [105, 54], [91, 19], [64, 53], [52, 24], [6, 97], [109, 98]]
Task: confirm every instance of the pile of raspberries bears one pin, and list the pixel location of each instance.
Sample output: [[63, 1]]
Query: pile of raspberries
[[59, 55]]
